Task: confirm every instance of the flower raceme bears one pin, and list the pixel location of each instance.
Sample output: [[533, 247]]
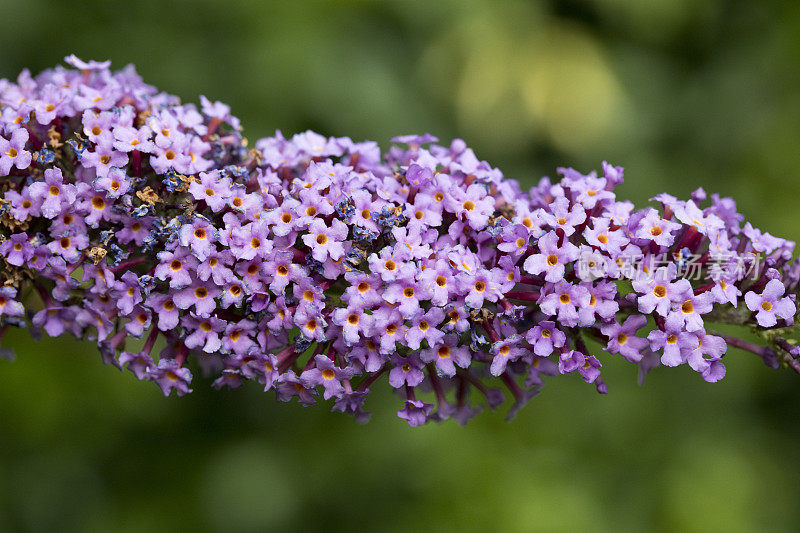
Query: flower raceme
[[317, 266]]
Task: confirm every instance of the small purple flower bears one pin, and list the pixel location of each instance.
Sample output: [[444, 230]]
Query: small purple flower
[[425, 327], [390, 326], [725, 292], [69, 247], [503, 352], [140, 321], [693, 216], [473, 205], [327, 374], [602, 303], [363, 291], [53, 193], [622, 339], [13, 153], [355, 323], [326, 241], [478, 287], [200, 295], [552, 258], [689, 308], [22, 204], [659, 292], [237, 338], [289, 386], [447, 355], [176, 266], [140, 363], [591, 191], [705, 357], [103, 158], [165, 308], [561, 216], [55, 320], [769, 305], [545, 337], [674, 342], [212, 189], [406, 294], [515, 239], [204, 333], [654, 228], [8, 305], [169, 376], [17, 249], [587, 365], [406, 371], [127, 139], [199, 236], [564, 300], [129, 293], [415, 412], [602, 237]]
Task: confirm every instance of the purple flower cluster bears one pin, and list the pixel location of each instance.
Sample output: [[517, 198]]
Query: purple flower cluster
[[317, 265]]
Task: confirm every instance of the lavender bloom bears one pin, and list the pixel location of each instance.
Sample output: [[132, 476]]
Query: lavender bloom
[[324, 241], [169, 376], [315, 264], [17, 250], [8, 305], [545, 337], [406, 371], [674, 343], [424, 327], [415, 412], [769, 306], [13, 153], [53, 193], [447, 356], [552, 258], [212, 189], [564, 301], [705, 357], [139, 363], [622, 339], [327, 374], [587, 366], [199, 236]]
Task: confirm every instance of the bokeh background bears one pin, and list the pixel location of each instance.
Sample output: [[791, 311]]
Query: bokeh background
[[682, 93]]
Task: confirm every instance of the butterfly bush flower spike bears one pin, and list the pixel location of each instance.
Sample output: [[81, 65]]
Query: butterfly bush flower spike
[[320, 268]]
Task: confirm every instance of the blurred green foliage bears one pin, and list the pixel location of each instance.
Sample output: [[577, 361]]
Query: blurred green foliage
[[682, 93]]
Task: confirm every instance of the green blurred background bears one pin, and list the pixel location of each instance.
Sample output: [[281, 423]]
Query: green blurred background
[[682, 93]]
